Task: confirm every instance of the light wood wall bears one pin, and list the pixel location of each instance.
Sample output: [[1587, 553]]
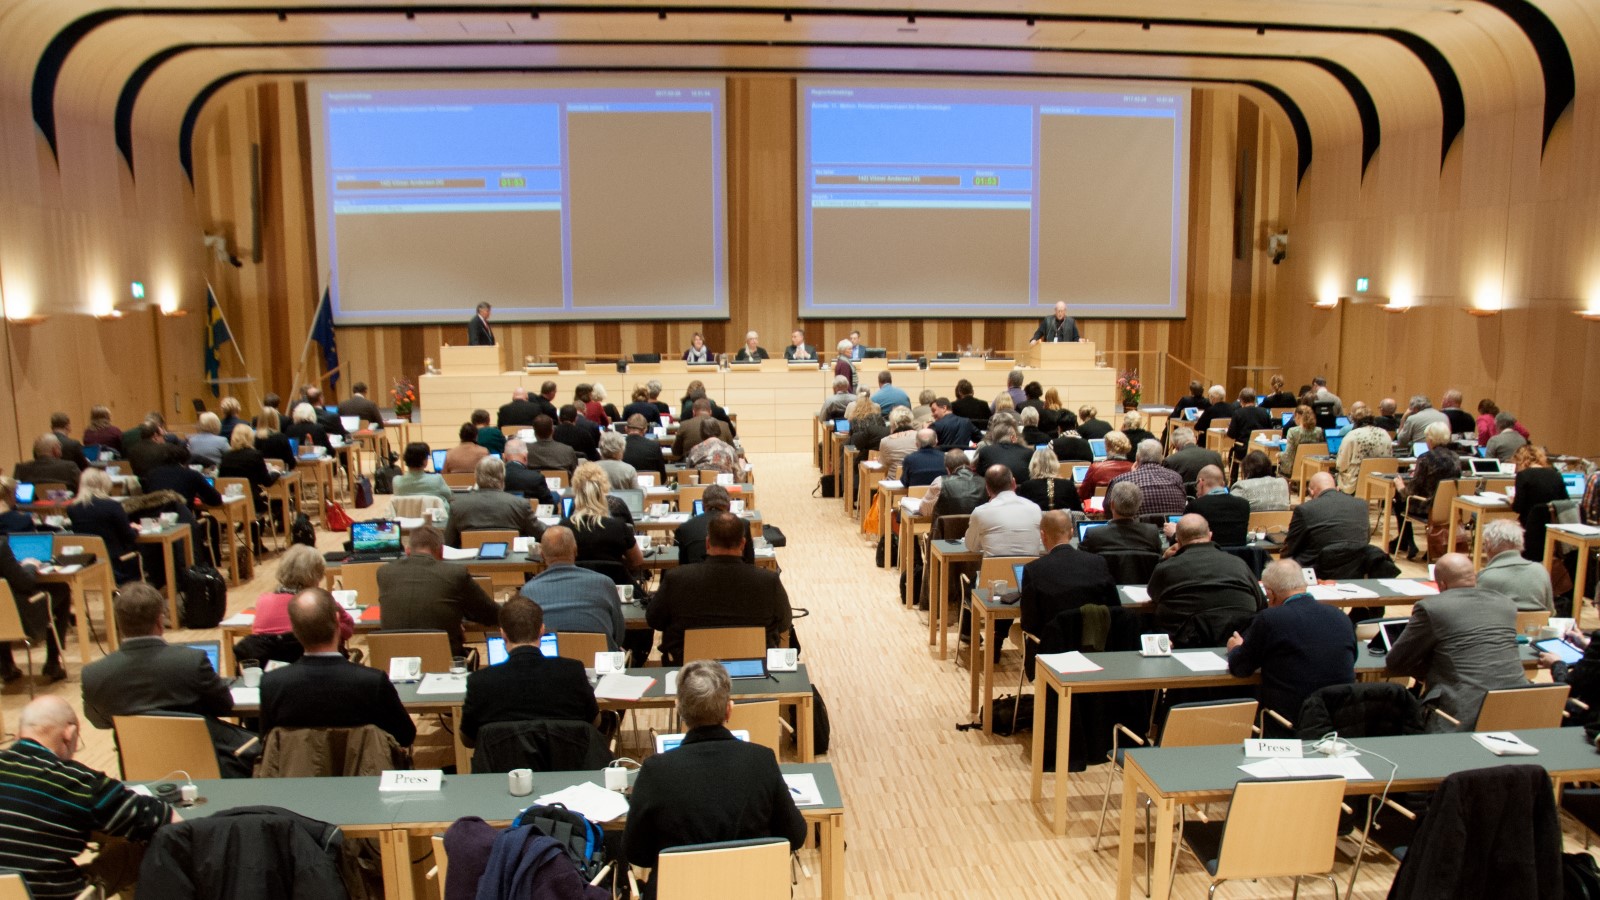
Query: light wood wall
[[275, 299]]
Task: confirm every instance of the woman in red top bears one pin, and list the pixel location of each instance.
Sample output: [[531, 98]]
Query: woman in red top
[[301, 567], [1117, 461]]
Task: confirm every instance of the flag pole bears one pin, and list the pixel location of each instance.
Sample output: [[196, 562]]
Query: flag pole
[[234, 340], [311, 331]]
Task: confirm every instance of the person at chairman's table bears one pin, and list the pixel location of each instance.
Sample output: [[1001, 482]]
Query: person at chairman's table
[[752, 351], [698, 352], [1057, 327], [479, 334]]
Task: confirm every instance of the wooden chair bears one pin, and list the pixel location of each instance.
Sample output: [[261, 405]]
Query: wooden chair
[[1438, 514], [1277, 520], [1303, 463], [1513, 709], [724, 643], [363, 579], [485, 583], [1530, 622], [460, 479], [415, 506], [432, 646], [153, 747], [558, 474], [441, 863], [11, 628], [760, 718], [106, 586], [688, 494], [42, 489], [1199, 724], [750, 870], [582, 646], [1253, 842], [472, 540]]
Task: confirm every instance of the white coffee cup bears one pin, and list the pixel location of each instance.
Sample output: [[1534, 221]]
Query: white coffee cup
[[625, 593], [251, 676], [644, 542], [519, 782]]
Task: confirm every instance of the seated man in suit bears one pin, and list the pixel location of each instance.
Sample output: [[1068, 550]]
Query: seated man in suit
[[954, 431], [519, 413], [323, 689], [1124, 533], [1228, 516], [1247, 417], [691, 535], [1507, 572], [1330, 516], [1201, 594], [1299, 645], [573, 599], [576, 432], [642, 450], [1007, 525], [528, 686], [712, 787], [1386, 418], [1461, 643], [490, 507], [692, 430], [422, 591], [1160, 488], [1188, 458], [798, 349], [955, 493], [721, 592], [328, 419], [358, 404], [47, 464], [926, 463], [1219, 408], [547, 452], [522, 481], [1063, 578]]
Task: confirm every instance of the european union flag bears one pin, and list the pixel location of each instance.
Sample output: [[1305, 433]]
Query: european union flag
[[217, 334], [322, 333]]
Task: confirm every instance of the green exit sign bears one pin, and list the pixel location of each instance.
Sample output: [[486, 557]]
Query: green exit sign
[[1361, 285], [138, 290]]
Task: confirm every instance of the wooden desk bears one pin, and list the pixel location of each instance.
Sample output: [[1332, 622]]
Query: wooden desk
[[987, 615], [911, 526], [868, 473], [942, 557], [1172, 776], [167, 538], [97, 576], [1585, 543], [285, 492], [847, 478], [1463, 509], [889, 498]]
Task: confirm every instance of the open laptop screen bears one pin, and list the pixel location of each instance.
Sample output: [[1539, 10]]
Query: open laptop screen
[[1079, 473], [634, 500], [212, 650], [1097, 446], [1085, 527], [1574, 482], [25, 492], [375, 536], [438, 460], [32, 546]]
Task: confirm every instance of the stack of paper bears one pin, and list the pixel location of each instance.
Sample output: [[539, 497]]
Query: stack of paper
[[615, 686], [891, 484], [1340, 592], [243, 696], [591, 800], [873, 464], [1202, 661], [460, 553], [1408, 587], [1504, 743], [442, 683], [911, 504], [1310, 767], [239, 620], [803, 788], [1071, 661]]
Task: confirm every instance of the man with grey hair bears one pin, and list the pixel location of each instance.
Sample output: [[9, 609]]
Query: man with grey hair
[[1219, 409], [1200, 593], [710, 788], [898, 444], [519, 479], [926, 463], [490, 508], [955, 493], [1419, 415], [1461, 643], [1461, 421], [1188, 458], [1321, 394], [1523, 580], [47, 464], [1299, 645], [844, 365], [834, 406], [574, 599], [622, 476], [1506, 441], [1160, 488], [1005, 449], [1124, 533]]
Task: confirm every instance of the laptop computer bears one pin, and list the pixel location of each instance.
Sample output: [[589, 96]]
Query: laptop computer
[[294, 447], [1419, 447], [25, 491], [496, 647], [1038, 447], [375, 539], [754, 667], [1574, 482], [350, 423], [493, 550], [1341, 422], [33, 546], [1085, 527], [1484, 466], [1097, 446], [1079, 473], [665, 742], [699, 507], [438, 460], [841, 425], [91, 452], [212, 650], [1335, 441], [1287, 417], [566, 507], [1389, 631], [1016, 574], [633, 498]]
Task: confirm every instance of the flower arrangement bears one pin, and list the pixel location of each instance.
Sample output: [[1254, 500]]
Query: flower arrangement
[[1129, 385], [405, 397]]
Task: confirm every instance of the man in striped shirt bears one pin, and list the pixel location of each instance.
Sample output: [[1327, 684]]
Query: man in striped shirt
[[49, 806]]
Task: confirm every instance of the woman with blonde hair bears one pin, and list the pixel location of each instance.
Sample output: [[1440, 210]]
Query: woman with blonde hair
[[601, 535], [1045, 486], [305, 428], [1133, 428], [301, 567], [243, 460], [1304, 431], [273, 443], [1090, 427], [1119, 459]]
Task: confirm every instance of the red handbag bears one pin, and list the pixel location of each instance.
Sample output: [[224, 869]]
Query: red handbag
[[335, 518]]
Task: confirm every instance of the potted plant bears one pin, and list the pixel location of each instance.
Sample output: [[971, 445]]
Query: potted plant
[[405, 397], [1129, 386]]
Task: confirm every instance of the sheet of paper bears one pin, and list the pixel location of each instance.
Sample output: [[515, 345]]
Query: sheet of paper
[[1348, 768], [239, 619], [911, 504], [590, 799], [891, 484], [243, 696], [1341, 592], [523, 544], [1071, 661], [1202, 661], [1504, 743], [1408, 587], [442, 683], [803, 788], [873, 464], [1136, 593], [679, 517], [460, 553], [411, 524], [622, 687]]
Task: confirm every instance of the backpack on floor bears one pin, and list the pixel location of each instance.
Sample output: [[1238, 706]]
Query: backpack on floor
[[583, 839], [363, 492], [202, 597], [383, 479], [301, 531]]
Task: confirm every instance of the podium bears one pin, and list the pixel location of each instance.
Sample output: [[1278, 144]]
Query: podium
[[470, 360], [1077, 355]]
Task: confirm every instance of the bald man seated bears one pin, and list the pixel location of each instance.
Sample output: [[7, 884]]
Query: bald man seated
[[51, 805], [1063, 578], [1461, 643], [1201, 594], [573, 599], [1329, 517]]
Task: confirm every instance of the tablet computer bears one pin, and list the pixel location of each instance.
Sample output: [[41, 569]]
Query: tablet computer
[[493, 550], [1566, 652]]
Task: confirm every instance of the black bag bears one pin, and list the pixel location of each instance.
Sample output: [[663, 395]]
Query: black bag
[[1006, 710], [301, 532], [583, 839], [363, 492], [202, 597], [828, 487], [821, 731], [1580, 877], [774, 536], [383, 479]]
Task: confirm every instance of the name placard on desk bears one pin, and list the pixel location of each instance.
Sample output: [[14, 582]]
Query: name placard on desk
[[413, 780], [1260, 748]]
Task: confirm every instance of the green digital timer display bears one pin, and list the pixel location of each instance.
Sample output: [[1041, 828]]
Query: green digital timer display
[[516, 182], [986, 181]]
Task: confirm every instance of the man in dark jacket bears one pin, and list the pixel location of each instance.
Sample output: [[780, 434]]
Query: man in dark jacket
[[1200, 593], [721, 592], [1228, 516], [1298, 644], [643, 451], [423, 591], [690, 537], [577, 435], [1063, 578], [1188, 458], [528, 685], [47, 465], [146, 674], [954, 431], [712, 787], [519, 413], [1329, 517], [955, 493], [925, 464], [71, 450], [1007, 450], [520, 479]]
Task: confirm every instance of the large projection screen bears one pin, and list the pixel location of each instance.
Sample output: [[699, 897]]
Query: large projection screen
[[554, 198], [932, 197]]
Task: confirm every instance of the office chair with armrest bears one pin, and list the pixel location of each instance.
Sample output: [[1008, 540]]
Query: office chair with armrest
[[12, 629], [154, 746], [432, 646]]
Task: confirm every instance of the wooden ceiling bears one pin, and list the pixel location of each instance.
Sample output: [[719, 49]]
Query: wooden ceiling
[[1332, 71]]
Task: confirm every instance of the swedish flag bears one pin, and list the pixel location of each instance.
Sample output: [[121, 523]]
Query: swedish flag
[[217, 334]]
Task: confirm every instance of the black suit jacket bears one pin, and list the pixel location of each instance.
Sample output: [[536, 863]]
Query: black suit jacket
[[518, 413], [528, 482], [970, 408], [1331, 517], [1092, 429], [107, 519], [332, 692], [48, 470], [1300, 647], [721, 592], [144, 455], [1201, 594], [1228, 516], [528, 685], [1060, 580], [580, 438], [921, 467], [1123, 536], [1051, 330], [1013, 456], [147, 674], [954, 431], [713, 787], [1223, 410], [425, 593], [330, 422], [644, 454], [183, 480], [1247, 419], [691, 540], [1189, 461], [248, 463], [478, 333], [72, 451]]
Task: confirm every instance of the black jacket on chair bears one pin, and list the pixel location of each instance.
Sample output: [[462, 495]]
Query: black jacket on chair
[[1065, 578], [248, 853], [1362, 709], [543, 745]]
